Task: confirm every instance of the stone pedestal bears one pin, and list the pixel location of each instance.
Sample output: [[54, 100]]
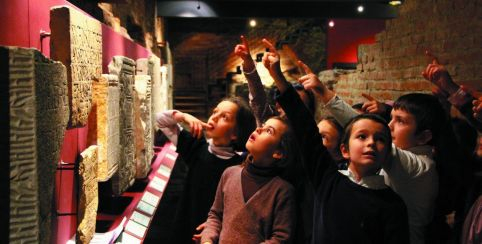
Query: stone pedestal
[[76, 41], [124, 68], [88, 202], [104, 124], [38, 109]]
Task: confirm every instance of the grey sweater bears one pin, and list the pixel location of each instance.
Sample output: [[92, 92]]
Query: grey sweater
[[267, 217]]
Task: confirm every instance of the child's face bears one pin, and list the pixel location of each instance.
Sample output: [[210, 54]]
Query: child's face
[[403, 129], [330, 137], [263, 144], [222, 123], [367, 147]]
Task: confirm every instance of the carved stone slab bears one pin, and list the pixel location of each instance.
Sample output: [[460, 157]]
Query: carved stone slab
[[104, 124], [76, 41], [154, 70], [143, 89], [88, 202], [38, 108], [140, 150], [124, 68]]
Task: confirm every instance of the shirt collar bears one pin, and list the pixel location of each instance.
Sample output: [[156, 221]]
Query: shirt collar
[[375, 182], [220, 152]]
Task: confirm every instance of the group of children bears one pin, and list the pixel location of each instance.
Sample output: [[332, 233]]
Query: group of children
[[270, 174]]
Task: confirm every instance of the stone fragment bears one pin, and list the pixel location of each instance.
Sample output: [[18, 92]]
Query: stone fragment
[[76, 41], [38, 109], [104, 124], [143, 89], [124, 68], [88, 202]]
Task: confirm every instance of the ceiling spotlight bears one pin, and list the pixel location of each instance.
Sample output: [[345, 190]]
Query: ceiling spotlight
[[360, 8], [252, 23], [331, 24], [395, 3]]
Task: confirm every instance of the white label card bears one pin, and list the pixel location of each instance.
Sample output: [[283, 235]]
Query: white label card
[[128, 239], [150, 198], [158, 184], [140, 218], [146, 208], [164, 170], [136, 229]]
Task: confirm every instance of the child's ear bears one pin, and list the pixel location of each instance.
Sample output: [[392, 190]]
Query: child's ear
[[344, 151], [278, 154], [424, 137]]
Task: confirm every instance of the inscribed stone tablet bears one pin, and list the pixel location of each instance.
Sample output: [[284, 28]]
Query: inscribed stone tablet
[[124, 177], [88, 201], [76, 41], [37, 107], [104, 124]]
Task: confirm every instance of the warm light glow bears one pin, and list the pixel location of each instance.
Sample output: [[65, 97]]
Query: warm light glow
[[360, 8], [252, 23], [331, 24], [395, 3], [163, 69]]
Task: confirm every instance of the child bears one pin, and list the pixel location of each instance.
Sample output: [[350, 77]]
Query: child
[[352, 206], [262, 110], [253, 204], [416, 127], [228, 129], [331, 132]]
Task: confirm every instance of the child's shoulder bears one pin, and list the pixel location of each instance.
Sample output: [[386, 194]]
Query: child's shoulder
[[233, 170], [284, 185]]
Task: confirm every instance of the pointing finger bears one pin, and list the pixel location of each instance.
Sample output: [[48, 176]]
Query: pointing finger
[[305, 67], [433, 57], [368, 97], [269, 45]]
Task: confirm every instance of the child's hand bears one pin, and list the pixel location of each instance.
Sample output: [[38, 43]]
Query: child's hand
[[439, 76], [310, 80], [242, 51], [197, 237], [372, 105], [477, 109], [196, 126], [271, 60]]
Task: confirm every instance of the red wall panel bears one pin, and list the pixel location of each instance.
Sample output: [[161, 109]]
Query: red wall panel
[[346, 35]]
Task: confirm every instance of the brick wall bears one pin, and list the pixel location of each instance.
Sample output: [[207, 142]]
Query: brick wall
[[451, 29]]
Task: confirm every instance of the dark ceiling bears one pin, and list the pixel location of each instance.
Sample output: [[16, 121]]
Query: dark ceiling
[[277, 9]]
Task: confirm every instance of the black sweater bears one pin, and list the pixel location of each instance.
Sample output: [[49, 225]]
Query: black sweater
[[205, 170], [344, 212]]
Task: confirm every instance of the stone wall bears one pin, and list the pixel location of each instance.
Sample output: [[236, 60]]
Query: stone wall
[[393, 65]]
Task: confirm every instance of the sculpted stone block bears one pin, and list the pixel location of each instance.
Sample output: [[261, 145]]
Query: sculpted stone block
[[140, 150], [154, 70], [104, 124], [124, 68], [143, 89], [88, 202], [76, 41], [38, 108]]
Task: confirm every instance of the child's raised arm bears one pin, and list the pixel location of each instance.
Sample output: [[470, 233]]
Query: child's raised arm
[[168, 120], [315, 155], [257, 95], [338, 108], [457, 95]]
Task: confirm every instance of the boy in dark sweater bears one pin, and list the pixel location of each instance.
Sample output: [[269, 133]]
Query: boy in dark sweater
[[354, 205]]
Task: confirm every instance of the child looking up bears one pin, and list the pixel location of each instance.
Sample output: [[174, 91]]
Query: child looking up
[[416, 126], [253, 204], [228, 129], [354, 205]]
